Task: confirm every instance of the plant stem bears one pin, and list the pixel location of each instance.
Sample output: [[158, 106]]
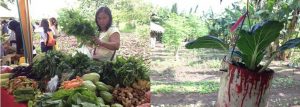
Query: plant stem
[[268, 63]]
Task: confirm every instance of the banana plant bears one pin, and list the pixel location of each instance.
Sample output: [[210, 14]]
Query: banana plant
[[251, 44]]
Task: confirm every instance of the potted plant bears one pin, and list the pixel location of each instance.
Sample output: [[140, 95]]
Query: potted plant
[[247, 81]]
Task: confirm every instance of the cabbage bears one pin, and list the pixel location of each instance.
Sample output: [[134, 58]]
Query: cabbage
[[89, 85], [107, 97], [94, 77]]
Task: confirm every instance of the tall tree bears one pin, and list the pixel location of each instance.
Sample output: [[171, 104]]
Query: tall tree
[[175, 33], [174, 8], [191, 9], [195, 11]]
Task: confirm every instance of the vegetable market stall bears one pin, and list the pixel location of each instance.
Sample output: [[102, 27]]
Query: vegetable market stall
[[63, 79]]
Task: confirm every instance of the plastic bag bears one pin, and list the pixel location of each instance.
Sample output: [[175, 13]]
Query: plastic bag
[[52, 84], [84, 50]]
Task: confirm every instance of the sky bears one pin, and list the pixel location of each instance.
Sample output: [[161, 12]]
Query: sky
[[49, 8], [42, 8], [204, 5]]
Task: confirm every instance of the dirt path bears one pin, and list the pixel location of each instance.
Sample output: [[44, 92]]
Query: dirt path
[[279, 97]]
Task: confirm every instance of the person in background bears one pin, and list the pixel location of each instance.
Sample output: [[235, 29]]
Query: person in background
[[109, 39], [36, 25], [53, 26], [4, 29], [17, 39], [43, 30]]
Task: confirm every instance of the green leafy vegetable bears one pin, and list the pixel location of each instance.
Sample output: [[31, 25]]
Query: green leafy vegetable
[[208, 42], [81, 64], [124, 71], [50, 65], [74, 23], [46, 101], [57, 63], [62, 94], [253, 44], [76, 96], [290, 44]]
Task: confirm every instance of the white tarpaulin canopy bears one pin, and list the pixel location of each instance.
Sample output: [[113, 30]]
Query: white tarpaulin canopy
[[5, 13]]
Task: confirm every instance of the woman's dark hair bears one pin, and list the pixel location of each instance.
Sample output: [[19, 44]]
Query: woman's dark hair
[[37, 23], [53, 22], [107, 11], [16, 27], [4, 22], [45, 25]]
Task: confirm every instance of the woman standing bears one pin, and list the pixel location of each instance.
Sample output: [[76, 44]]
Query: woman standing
[[53, 26], [17, 38], [108, 41], [44, 31]]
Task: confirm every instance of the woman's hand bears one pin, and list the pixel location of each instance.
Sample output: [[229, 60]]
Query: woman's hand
[[97, 40], [112, 44]]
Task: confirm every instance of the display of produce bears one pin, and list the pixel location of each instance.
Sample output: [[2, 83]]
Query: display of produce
[[5, 79], [89, 85], [24, 94], [46, 100], [53, 63], [21, 82], [58, 63], [130, 96], [22, 88], [124, 71], [77, 96], [79, 81], [75, 83], [94, 77], [5, 75], [24, 71]]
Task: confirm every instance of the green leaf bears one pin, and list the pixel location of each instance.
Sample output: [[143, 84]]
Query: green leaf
[[253, 45], [85, 104], [4, 5], [208, 42], [61, 94], [290, 44], [270, 4]]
